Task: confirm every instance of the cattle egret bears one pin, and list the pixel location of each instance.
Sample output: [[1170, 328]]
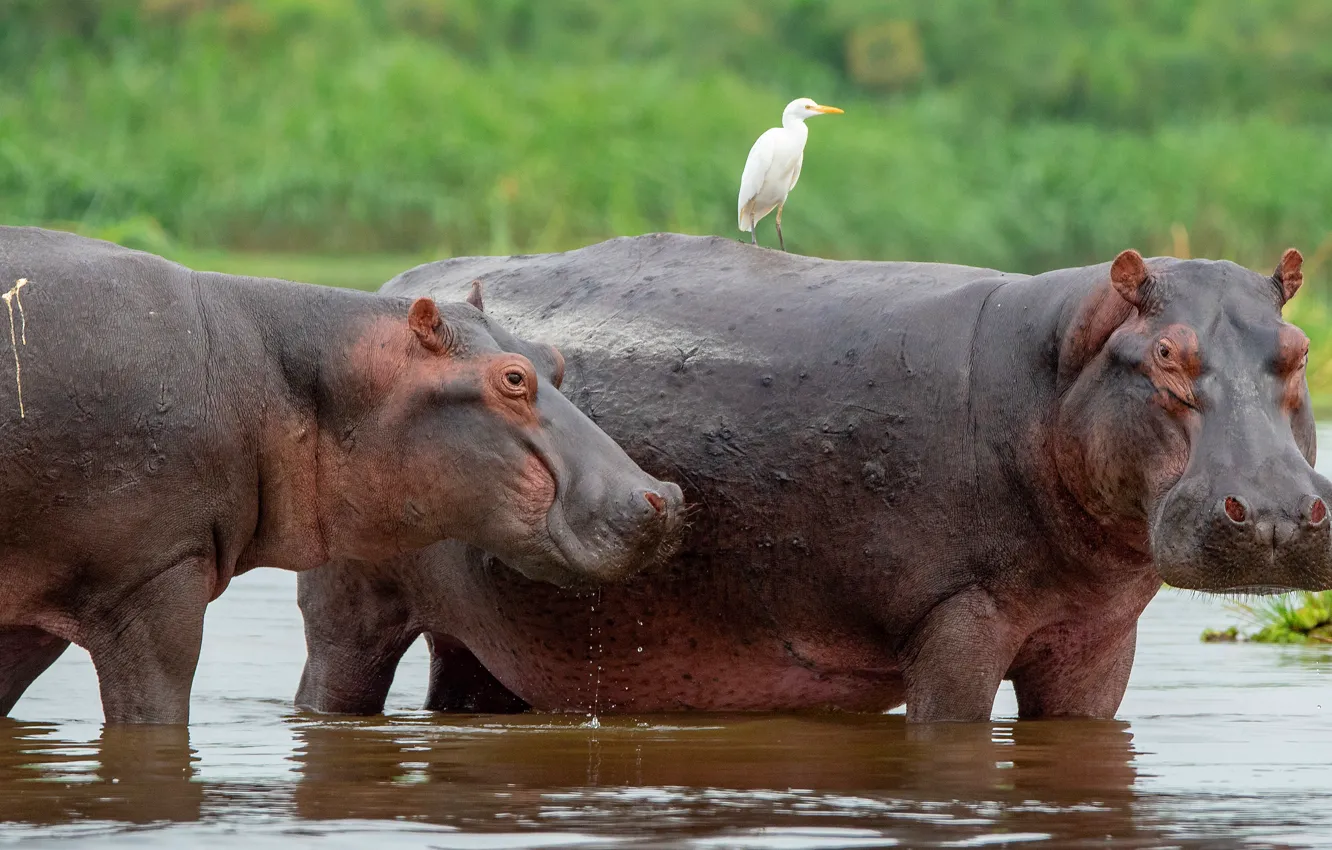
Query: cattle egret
[[773, 166]]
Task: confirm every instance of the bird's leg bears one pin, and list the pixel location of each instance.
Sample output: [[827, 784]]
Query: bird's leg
[[780, 240]]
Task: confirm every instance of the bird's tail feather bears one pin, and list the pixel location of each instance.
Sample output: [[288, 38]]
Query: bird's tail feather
[[747, 217]]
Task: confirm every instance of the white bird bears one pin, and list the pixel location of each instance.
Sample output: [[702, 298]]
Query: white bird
[[773, 166]]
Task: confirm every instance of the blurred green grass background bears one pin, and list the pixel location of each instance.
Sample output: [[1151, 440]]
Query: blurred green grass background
[[340, 141]]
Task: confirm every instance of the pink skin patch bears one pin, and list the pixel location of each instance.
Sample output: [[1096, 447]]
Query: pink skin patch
[[1317, 511]]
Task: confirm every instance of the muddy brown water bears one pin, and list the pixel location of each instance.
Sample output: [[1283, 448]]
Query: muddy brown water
[[1218, 745]]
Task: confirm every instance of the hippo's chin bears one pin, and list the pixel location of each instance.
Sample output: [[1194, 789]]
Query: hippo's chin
[[548, 570], [1252, 569], [567, 560], [607, 556]]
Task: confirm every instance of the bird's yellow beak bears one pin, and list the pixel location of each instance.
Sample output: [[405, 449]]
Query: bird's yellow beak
[[827, 110]]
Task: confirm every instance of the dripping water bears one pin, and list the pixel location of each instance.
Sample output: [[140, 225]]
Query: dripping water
[[594, 661]]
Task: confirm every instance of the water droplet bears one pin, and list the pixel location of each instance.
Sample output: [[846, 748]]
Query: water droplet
[[640, 649]]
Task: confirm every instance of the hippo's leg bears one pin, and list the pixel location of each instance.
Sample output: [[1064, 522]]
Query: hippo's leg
[[459, 682], [357, 627], [349, 676], [146, 648], [25, 653], [957, 661], [1063, 672]]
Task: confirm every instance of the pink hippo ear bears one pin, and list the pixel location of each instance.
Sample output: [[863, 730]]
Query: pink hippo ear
[[1289, 274], [428, 325], [474, 297], [1128, 273]]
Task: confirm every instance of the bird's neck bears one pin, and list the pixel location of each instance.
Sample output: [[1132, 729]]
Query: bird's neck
[[794, 122]]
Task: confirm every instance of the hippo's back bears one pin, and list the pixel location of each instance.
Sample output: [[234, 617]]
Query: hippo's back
[[800, 402], [648, 295]]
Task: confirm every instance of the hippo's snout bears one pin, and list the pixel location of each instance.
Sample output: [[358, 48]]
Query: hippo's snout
[[609, 519], [1247, 539], [605, 531], [1277, 529], [649, 523]]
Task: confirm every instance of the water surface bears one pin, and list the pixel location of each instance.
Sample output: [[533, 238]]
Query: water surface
[[1218, 745]]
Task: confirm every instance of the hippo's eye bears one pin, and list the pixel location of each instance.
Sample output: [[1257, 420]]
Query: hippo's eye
[[1163, 350], [515, 380]]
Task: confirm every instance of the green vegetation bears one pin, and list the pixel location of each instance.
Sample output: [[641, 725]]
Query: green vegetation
[[355, 271], [1018, 134], [1304, 618]]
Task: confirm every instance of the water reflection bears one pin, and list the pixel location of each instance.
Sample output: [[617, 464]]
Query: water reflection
[[685, 776], [690, 774], [136, 775]]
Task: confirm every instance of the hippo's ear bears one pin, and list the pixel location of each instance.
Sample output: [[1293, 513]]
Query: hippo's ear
[[557, 374], [428, 325], [474, 297], [1128, 274], [1289, 274]]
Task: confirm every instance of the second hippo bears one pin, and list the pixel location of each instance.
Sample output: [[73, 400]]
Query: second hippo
[[912, 481]]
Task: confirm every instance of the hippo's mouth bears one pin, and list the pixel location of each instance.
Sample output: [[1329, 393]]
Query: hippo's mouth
[[594, 531], [565, 558], [605, 553]]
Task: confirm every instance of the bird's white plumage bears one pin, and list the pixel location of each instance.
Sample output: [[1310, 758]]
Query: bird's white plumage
[[773, 166], [770, 173]]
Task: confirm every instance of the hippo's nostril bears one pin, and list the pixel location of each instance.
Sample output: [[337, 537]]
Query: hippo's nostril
[[655, 500], [1235, 509], [1315, 511]]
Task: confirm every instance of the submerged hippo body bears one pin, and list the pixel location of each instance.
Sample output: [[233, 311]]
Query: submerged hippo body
[[910, 482], [163, 430]]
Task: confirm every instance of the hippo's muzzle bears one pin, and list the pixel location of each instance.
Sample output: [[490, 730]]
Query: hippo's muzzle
[[1244, 538], [609, 520], [634, 532]]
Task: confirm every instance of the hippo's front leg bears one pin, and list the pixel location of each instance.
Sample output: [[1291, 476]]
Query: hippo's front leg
[[956, 660], [1066, 670], [357, 629], [145, 648]]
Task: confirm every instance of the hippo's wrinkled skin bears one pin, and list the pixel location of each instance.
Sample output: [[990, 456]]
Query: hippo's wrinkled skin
[[913, 481], [163, 430]]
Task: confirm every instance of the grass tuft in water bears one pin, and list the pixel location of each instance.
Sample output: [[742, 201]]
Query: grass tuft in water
[[1298, 618]]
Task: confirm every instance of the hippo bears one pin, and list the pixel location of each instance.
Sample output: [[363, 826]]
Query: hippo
[[164, 430], [909, 482]]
